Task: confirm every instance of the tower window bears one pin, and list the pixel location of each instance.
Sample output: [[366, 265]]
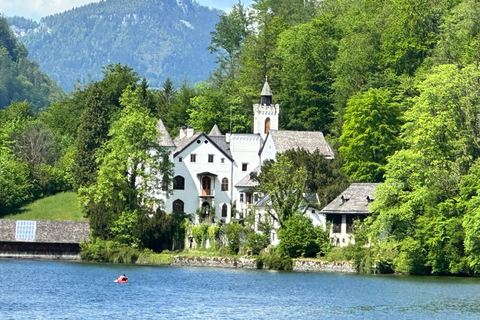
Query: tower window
[[267, 125]]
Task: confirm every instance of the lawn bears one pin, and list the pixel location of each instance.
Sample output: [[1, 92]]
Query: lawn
[[62, 206]]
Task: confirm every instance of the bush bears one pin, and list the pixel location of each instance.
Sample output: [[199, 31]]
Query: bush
[[273, 261], [257, 242], [108, 251], [299, 238], [234, 231]]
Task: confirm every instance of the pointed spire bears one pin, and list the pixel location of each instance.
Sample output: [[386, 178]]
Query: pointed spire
[[164, 140], [215, 132], [266, 95], [266, 88]]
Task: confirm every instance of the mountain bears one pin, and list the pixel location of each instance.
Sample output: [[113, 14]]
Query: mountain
[[157, 38], [21, 78]]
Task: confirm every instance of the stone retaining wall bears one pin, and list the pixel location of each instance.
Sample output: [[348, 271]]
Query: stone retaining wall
[[48, 231], [214, 262], [307, 265], [301, 265]]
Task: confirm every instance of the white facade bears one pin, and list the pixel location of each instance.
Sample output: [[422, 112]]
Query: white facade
[[213, 172], [204, 168]]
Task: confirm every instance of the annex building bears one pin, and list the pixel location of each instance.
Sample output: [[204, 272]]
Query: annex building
[[213, 171]]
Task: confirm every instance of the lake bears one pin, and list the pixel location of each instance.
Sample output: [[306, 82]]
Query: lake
[[74, 290]]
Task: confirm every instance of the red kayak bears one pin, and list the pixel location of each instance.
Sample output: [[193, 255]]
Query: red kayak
[[122, 280]]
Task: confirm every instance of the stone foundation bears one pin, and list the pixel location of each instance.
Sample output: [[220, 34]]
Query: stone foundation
[[214, 262], [300, 265], [310, 265]]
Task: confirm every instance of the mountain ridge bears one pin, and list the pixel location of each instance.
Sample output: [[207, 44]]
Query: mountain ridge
[[159, 39]]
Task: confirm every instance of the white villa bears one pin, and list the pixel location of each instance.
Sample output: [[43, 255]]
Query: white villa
[[214, 171]]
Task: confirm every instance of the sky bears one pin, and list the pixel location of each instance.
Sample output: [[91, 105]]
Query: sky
[[35, 9]]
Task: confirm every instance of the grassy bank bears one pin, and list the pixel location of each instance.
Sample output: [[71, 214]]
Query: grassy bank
[[62, 206]]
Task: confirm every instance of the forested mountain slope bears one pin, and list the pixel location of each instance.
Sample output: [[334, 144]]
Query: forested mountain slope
[[20, 77], [159, 39]]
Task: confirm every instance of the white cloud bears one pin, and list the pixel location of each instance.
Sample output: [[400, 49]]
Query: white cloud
[[35, 9]]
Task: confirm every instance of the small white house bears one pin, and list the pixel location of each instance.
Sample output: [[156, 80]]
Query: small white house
[[352, 204]]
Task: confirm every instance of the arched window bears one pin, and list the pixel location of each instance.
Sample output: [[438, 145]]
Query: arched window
[[179, 183], [178, 206], [267, 125], [224, 184], [224, 210]]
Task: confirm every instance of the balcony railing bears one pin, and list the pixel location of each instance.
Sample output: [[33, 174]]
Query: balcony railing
[[207, 193]]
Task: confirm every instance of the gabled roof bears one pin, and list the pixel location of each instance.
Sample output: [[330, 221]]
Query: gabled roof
[[164, 140], [353, 200], [308, 140], [219, 142], [247, 181], [215, 132], [310, 200]]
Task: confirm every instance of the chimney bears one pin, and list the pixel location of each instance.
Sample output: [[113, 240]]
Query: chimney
[[183, 132], [190, 131], [227, 137]]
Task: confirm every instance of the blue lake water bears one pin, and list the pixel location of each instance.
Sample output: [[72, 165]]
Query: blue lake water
[[71, 290]]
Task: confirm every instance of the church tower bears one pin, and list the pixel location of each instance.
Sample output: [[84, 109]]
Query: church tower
[[266, 113]]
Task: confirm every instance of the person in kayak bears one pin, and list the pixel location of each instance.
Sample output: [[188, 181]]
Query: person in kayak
[[122, 278]]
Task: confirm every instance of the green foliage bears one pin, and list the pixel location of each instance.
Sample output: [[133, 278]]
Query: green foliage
[[148, 257], [15, 186], [100, 106], [299, 238], [131, 165], [234, 232], [273, 261], [256, 242], [21, 78], [200, 234], [307, 52], [285, 184], [370, 134], [108, 251]]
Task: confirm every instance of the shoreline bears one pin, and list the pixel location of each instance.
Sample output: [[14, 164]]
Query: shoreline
[[299, 265]]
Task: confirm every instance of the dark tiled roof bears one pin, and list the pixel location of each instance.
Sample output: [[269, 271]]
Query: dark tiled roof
[[308, 140], [164, 140], [183, 143], [219, 142], [215, 132], [222, 144], [247, 181], [354, 200]]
